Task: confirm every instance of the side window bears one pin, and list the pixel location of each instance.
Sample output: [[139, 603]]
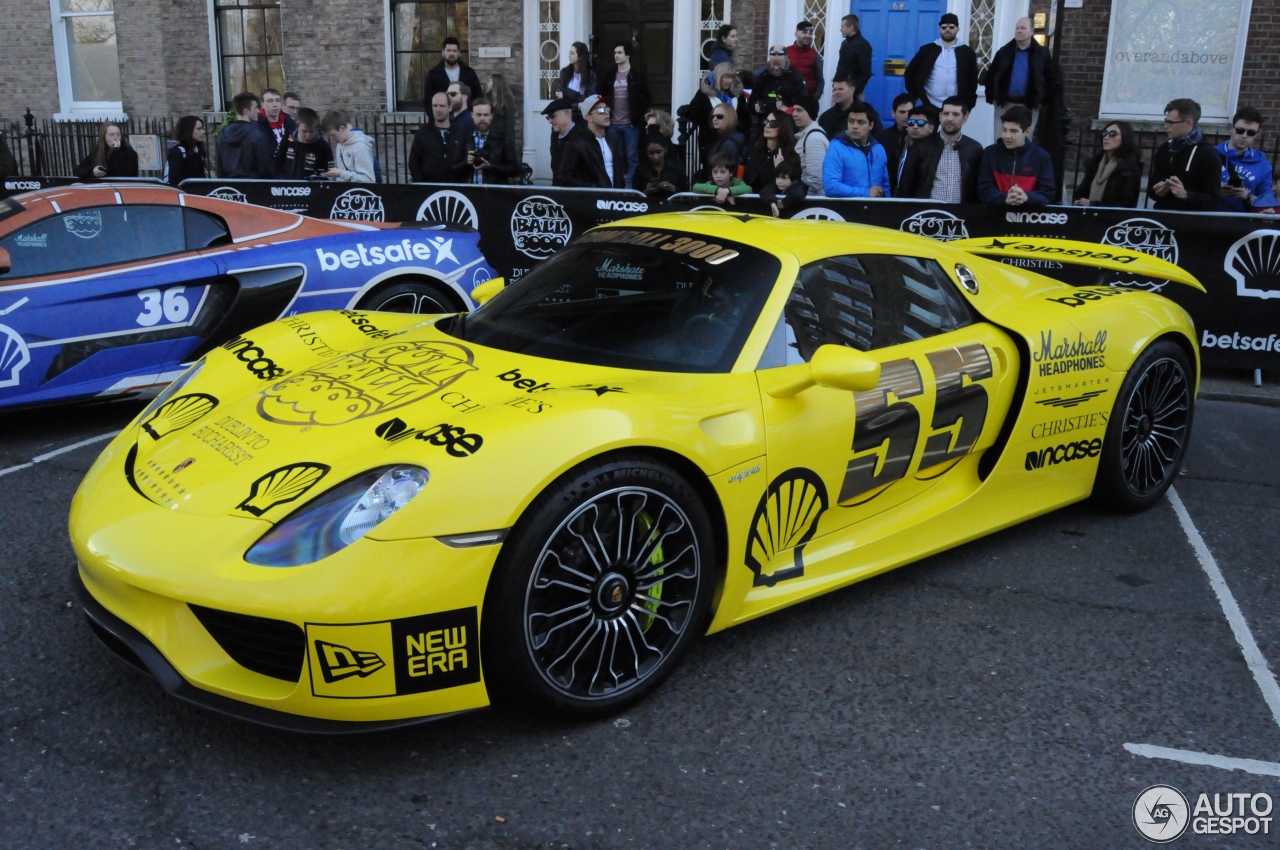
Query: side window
[[868, 302], [204, 230], [94, 236]]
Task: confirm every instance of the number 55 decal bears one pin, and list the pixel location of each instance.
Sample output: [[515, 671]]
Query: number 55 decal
[[171, 305], [885, 435]]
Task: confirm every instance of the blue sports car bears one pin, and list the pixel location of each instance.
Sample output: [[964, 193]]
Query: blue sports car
[[107, 290]]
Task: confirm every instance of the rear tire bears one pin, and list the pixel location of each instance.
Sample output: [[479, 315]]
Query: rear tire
[[600, 590], [412, 295], [1149, 430]]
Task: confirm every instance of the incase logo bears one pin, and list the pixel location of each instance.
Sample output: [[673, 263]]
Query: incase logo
[[1063, 454], [254, 359], [291, 191], [16, 185], [622, 206], [1240, 343], [1035, 218]]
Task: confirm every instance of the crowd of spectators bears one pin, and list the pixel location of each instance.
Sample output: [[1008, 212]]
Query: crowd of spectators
[[759, 131]]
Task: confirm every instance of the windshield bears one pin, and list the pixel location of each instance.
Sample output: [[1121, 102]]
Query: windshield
[[632, 299]]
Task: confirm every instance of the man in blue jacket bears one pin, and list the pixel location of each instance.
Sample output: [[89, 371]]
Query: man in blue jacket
[[1246, 172], [1014, 172], [856, 165]]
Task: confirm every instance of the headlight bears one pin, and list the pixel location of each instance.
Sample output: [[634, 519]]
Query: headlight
[[338, 518], [172, 390]]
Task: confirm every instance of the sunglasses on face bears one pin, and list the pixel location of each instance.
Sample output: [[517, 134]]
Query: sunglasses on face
[[1110, 134], [917, 122], [949, 27], [717, 117], [601, 110], [1241, 131], [777, 53], [772, 122], [1169, 122]]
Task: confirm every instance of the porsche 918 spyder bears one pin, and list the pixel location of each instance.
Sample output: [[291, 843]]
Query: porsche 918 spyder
[[107, 290], [677, 424]]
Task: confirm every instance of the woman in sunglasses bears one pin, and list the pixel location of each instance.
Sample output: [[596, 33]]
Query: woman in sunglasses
[[776, 144], [727, 90], [725, 139], [1113, 176], [1246, 172]]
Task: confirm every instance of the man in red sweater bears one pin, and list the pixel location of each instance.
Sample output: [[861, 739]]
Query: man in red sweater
[[806, 60]]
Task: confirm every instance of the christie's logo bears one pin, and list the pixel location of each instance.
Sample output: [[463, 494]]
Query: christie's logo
[[622, 206], [1055, 455], [936, 224], [1066, 426], [21, 185], [610, 270], [1084, 295], [1070, 355], [1240, 343], [1035, 218], [291, 191], [378, 255]]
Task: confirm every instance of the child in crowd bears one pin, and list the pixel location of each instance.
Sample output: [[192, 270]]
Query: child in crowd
[[304, 155], [724, 185], [787, 191]]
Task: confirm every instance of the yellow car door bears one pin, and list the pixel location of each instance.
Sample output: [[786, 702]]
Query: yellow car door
[[838, 458]]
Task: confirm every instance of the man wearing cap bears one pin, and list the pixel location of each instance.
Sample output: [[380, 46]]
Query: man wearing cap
[[944, 68], [806, 61], [559, 115], [593, 158]]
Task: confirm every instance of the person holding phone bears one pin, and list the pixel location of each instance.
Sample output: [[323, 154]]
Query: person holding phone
[[1246, 172]]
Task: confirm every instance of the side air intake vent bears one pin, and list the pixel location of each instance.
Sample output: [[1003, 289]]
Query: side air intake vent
[[270, 647]]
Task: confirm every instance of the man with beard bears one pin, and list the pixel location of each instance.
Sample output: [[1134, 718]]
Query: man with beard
[[450, 69], [944, 166], [806, 61], [944, 68]]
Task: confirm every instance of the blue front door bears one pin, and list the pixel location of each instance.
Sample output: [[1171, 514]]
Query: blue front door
[[896, 30]]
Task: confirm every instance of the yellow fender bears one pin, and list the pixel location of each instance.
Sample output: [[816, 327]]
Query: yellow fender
[[1107, 257]]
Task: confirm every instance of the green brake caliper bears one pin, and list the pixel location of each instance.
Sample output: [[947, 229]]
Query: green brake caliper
[[653, 594]]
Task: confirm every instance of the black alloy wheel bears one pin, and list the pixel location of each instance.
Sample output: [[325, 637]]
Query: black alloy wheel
[[600, 590], [1149, 430], [412, 296]]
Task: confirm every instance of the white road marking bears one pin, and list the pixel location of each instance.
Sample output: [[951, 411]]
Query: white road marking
[[48, 455], [1262, 768], [1252, 655]]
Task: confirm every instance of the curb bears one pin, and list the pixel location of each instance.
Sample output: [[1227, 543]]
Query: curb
[[1240, 398]]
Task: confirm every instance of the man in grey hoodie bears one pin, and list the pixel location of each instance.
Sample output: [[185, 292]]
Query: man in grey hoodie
[[352, 150], [245, 148]]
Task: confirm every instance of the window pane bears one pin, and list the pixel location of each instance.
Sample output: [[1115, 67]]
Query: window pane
[[232, 34], [418, 28], [406, 31], [275, 73], [95, 237], [233, 76], [91, 51], [88, 5], [272, 31], [254, 32], [255, 73]]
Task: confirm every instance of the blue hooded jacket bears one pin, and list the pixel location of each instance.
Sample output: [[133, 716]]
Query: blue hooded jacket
[[1254, 171], [849, 171]]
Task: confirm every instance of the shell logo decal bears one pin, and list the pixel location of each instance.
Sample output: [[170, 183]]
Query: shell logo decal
[[177, 413], [281, 486], [786, 518]]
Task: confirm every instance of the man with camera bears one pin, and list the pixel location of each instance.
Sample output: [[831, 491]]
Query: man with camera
[[489, 156]]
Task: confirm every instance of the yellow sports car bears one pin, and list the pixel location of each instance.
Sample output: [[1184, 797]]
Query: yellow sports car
[[345, 521]]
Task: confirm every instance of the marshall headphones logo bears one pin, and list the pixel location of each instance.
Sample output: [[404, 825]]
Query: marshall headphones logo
[[358, 205], [1254, 263], [540, 227], [226, 193], [936, 224]]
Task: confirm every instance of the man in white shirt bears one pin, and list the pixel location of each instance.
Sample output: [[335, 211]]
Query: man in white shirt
[[945, 68], [597, 158]]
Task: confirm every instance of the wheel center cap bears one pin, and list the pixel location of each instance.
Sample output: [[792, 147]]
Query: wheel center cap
[[613, 593], [1144, 426]]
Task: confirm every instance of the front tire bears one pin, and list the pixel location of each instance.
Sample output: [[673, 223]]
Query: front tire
[[1148, 432], [412, 295], [600, 590]]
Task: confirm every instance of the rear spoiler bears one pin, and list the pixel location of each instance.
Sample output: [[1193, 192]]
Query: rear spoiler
[[1107, 257]]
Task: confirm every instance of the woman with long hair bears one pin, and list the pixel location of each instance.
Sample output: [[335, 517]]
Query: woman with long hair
[[1113, 176], [726, 139], [186, 156], [777, 143], [727, 90], [504, 106], [111, 158], [577, 80]]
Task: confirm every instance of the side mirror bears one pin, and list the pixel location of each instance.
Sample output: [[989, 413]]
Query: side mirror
[[834, 366], [5, 262], [488, 289]]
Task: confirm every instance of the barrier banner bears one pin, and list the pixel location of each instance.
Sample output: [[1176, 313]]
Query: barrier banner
[[518, 225], [19, 184], [1235, 256]]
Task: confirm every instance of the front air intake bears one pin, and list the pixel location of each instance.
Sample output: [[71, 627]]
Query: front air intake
[[270, 647]]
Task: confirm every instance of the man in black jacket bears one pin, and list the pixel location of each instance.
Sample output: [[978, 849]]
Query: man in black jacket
[[1018, 75], [303, 154], [894, 137], [855, 56], [245, 147], [595, 158], [775, 78], [944, 167], [944, 68], [435, 154], [450, 69], [559, 114], [1186, 171], [487, 157]]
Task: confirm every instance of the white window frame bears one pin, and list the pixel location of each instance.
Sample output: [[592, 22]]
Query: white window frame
[[71, 109]]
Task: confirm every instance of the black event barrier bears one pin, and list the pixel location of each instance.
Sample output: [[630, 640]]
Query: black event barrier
[[1236, 257], [18, 185]]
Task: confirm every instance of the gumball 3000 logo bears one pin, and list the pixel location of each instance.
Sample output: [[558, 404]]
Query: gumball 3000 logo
[[540, 227], [358, 205], [936, 224]]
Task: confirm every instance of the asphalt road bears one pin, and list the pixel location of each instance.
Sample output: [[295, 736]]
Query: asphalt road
[[981, 698]]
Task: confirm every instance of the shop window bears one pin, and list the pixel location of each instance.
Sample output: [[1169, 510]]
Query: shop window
[[250, 46], [418, 27], [84, 39]]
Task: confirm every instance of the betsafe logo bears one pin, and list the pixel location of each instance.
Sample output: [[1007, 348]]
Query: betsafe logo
[[378, 255]]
